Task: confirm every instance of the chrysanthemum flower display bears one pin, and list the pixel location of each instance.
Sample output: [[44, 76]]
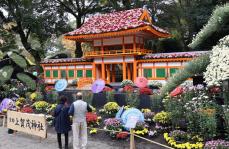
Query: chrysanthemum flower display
[[111, 108], [218, 69], [182, 144], [113, 125]]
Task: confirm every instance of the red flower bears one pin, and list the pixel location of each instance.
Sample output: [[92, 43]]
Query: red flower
[[176, 91], [128, 88], [145, 91], [48, 88], [107, 89], [122, 135], [27, 110], [91, 117]]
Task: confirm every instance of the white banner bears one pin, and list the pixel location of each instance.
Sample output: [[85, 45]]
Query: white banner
[[34, 124]]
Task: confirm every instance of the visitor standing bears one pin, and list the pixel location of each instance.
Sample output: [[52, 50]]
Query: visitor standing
[[78, 110], [62, 121]]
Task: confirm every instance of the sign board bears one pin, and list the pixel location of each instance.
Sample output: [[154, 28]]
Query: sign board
[[83, 82], [131, 122], [34, 124]]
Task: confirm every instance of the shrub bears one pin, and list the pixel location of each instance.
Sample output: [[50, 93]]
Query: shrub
[[127, 82], [163, 118], [111, 108]]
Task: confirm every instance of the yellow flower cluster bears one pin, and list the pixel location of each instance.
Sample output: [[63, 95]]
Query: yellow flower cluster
[[146, 110], [111, 106], [33, 96], [162, 117], [93, 131], [40, 104], [171, 141], [127, 107], [20, 101], [141, 132]]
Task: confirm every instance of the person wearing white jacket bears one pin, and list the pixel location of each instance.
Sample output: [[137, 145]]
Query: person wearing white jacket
[[78, 110]]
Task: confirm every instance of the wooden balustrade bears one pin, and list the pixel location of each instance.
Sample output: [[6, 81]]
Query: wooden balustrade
[[115, 52]]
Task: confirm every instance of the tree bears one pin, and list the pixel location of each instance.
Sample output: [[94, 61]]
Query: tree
[[185, 18], [80, 9], [34, 20], [13, 65]]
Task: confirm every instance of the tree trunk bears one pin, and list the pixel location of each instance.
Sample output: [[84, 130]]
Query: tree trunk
[[78, 51]]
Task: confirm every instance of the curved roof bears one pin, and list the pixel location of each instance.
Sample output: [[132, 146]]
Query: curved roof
[[190, 54], [115, 22], [65, 60]]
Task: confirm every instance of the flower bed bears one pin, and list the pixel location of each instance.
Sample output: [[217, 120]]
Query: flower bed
[[113, 124], [182, 145], [217, 144], [110, 109]]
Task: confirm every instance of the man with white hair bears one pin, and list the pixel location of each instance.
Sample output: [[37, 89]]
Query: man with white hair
[[78, 110]]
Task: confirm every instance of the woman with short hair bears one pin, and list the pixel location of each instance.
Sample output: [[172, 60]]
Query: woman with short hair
[[62, 121]]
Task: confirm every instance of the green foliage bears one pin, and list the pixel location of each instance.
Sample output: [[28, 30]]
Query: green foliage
[[219, 19], [127, 82], [132, 99], [156, 102], [18, 59], [110, 95], [5, 73], [30, 83], [195, 67]]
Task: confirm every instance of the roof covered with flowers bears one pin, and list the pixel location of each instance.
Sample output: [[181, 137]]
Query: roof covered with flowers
[[64, 60], [191, 54], [115, 21]]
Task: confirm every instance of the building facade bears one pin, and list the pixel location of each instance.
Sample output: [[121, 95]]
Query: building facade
[[115, 50]]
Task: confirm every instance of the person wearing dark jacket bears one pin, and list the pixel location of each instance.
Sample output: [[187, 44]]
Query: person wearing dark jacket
[[62, 121]]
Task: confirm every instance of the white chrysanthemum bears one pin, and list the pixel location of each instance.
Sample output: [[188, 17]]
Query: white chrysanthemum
[[218, 69]]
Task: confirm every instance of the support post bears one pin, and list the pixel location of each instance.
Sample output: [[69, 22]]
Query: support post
[[132, 143], [135, 70], [113, 72], [124, 69], [94, 71], [108, 73], [128, 71], [103, 71]]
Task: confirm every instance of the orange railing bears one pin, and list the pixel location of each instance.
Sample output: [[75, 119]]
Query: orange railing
[[115, 52]]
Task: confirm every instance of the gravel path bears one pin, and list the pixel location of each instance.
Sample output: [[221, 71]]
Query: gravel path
[[24, 141]]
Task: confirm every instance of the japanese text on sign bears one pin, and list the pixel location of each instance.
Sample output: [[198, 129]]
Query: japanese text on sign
[[34, 124]]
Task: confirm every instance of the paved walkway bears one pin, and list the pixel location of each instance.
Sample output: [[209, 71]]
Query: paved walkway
[[25, 141]]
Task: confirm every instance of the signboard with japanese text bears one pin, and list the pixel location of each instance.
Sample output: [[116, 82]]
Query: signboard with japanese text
[[131, 122], [34, 124]]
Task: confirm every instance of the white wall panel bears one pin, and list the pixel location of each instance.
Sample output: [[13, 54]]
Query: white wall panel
[[97, 60], [55, 67], [112, 59], [129, 59], [79, 66], [47, 67], [147, 64], [63, 67], [160, 64], [71, 67], [88, 66], [174, 63]]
